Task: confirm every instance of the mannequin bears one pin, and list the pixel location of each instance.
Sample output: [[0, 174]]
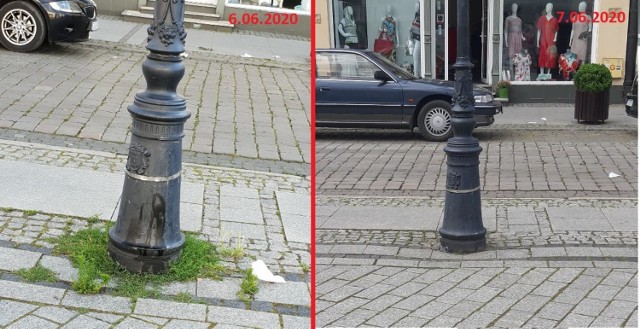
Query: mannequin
[[414, 32], [347, 28], [546, 41], [389, 29], [580, 32], [513, 31]]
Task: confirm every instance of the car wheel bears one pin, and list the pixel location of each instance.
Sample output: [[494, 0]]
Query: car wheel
[[22, 27], [434, 121]]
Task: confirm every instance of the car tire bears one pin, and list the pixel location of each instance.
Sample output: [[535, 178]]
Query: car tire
[[434, 121], [27, 19]]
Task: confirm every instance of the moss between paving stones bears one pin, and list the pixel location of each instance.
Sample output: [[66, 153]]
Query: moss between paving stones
[[87, 250]]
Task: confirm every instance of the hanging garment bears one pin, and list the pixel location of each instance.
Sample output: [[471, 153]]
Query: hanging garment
[[513, 26], [522, 67], [569, 64], [579, 45], [349, 26], [415, 28], [388, 27], [548, 51]]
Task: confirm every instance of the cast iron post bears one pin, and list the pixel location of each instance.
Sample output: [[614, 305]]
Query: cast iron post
[[632, 44], [147, 237], [462, 230]]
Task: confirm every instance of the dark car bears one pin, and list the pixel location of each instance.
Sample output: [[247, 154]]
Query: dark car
[[359, 88], [26, 24], [631, 100]]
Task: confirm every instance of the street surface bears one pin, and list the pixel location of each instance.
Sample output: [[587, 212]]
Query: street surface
[[64, 133], [561, 235]]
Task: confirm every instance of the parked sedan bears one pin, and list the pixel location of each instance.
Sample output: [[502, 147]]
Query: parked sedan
[[26, 24], [358, 88]]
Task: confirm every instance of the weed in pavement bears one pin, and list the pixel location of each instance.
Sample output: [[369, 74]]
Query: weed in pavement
[[87, 250], [248, 287], [37, 273]]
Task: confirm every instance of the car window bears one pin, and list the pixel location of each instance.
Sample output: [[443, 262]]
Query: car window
[[344, 66], [393, 67]]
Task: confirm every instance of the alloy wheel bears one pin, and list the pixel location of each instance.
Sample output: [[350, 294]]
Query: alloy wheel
[[19, 27], [438, 121]]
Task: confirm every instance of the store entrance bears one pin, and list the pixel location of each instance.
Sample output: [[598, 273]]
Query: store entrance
[[446, 38]]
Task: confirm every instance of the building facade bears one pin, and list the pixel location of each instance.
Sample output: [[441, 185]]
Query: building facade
[[535, 44]]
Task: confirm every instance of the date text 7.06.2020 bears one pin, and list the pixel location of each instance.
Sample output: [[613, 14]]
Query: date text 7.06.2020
[[269, 19]]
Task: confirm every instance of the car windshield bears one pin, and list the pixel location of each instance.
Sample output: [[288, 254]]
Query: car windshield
[[393, 67]]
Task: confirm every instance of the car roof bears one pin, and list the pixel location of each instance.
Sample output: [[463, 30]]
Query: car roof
[[343, 50]]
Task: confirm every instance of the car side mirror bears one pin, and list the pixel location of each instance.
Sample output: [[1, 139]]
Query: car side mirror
[[380, 75]]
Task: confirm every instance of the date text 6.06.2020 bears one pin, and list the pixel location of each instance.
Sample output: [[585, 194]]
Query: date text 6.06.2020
[[269, 19]]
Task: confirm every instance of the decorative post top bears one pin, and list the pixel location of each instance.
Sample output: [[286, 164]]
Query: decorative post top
[[166, 33]]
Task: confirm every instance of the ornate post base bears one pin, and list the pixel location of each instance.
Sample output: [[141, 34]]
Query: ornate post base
[[147, 237]]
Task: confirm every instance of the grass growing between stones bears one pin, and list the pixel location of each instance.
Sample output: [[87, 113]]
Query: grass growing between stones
[[248, 286], [37, 273], [87, 250]]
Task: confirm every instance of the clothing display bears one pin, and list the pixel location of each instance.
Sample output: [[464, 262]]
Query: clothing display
[[349, 27], [547, 27], [389, 28], [415, 27], [522, 66], [513, 26], [580, 39], [568, 63]]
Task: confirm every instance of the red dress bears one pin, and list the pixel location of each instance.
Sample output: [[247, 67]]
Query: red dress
[[548, 51]]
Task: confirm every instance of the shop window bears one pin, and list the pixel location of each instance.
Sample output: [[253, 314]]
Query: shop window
[[545, 41]]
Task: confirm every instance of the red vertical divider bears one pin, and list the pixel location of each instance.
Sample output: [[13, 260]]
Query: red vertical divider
[[313, 164]]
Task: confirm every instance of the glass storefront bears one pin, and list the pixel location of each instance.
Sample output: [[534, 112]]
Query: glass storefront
[[545, 41], [391, 28]]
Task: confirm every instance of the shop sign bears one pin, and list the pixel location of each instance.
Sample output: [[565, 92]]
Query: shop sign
[[614, 65]]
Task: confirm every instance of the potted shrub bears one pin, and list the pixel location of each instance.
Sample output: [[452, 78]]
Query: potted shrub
[[503, 88], [592, 82]]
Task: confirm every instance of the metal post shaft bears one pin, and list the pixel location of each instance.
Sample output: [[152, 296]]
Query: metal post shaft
[[462, 230], [147, 237]]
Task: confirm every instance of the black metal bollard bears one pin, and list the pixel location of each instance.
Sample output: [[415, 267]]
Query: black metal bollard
[[147, 237], [462, 230]]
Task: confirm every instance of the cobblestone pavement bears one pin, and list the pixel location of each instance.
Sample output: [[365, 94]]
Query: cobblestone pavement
[[241, 107], [517, 161], [24, 242]]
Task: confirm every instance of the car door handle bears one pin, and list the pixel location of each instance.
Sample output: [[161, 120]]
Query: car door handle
[[325, 89]]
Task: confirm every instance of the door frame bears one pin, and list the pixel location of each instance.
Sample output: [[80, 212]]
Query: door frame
[[488, 43]]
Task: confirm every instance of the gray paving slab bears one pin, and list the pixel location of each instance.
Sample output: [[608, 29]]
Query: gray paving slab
[[61, 267], [105, 303], [225, 289], [290, 293], [114, 32], [296, 215], [578, 219], [233, 316], [32, 322], [10, 311], [388, 218], [133, 323], [170, 309], [179, 287], [30, 292], [240, 205], [14, 259], [622, 219], [185, 324], [85, 322], [51, 189], [249, 231], [191, 217], [295, 322], [55, 314]]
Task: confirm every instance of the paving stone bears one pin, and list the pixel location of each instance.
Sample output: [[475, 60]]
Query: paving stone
[[576, 321], [537, 322], [478, 320], [150, 319], [548, 252], [387, 317], [295, 322], [10, 311], [605, 322], [295, 215], [225, 289], [248, 231], [347, 249], [589, 307], [31, 321], [619, 309], [239, 204], [381, 250], [554, 311], [185, 324], [413, 302], [444, 322], [175, 288], [381, 303], [132, 323], [190, 217], [55, 314], [106, 317], [232, 316], [290, 293], [85, 322], [61, 267], [170, 309], [30, 292], [105, 303], [14, 259]]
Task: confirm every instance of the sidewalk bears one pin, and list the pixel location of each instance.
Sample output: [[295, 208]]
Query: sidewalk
[[279, 48]]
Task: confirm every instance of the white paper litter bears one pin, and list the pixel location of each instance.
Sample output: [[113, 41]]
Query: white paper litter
[[246, 55], [184, 55], [276, 57], [613, 175], [543, 119], [532, 122], [261, 270]]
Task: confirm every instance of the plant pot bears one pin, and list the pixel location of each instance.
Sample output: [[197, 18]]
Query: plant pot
[[592, 106], [503, 92]]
